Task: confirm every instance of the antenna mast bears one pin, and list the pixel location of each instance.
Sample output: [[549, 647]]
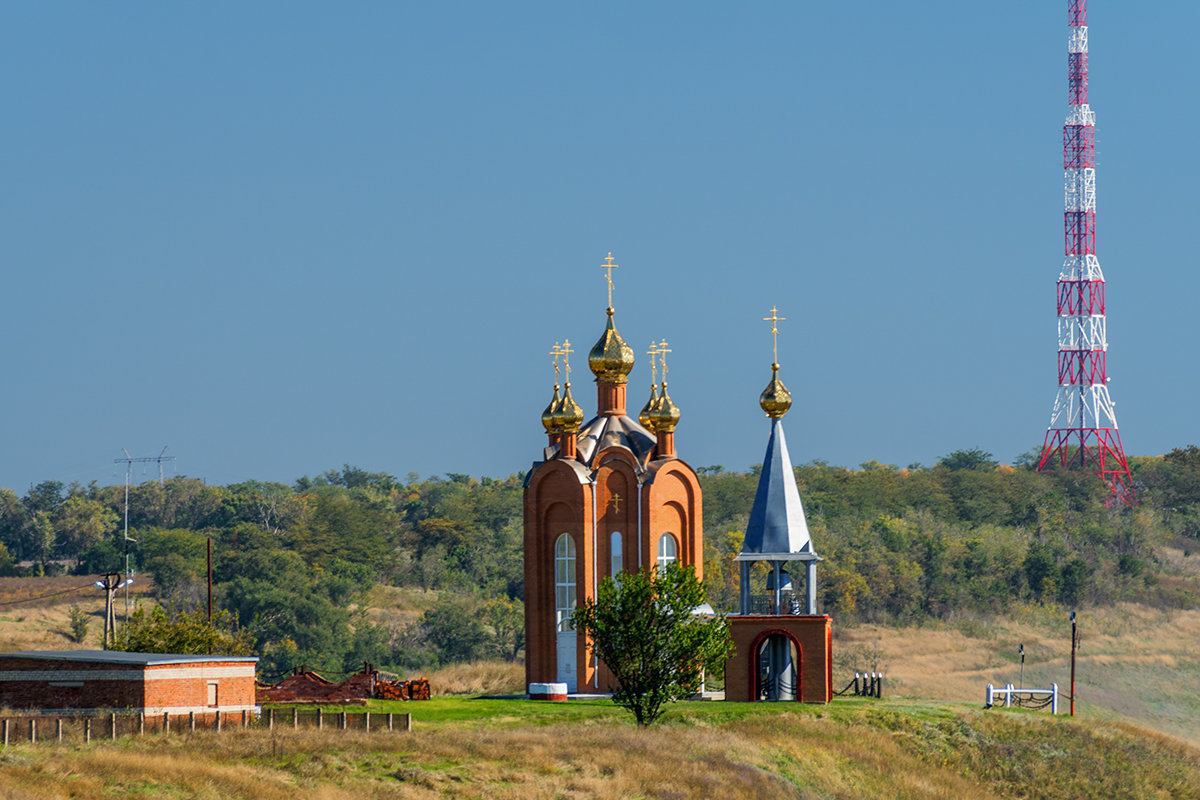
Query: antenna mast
[[129, 461], [1083, 434]]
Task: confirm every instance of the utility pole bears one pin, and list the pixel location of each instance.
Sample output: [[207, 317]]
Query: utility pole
[[129, 461], [110, 583], [1074, 645]]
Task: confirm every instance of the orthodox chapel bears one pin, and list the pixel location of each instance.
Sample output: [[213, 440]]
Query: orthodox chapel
[[610, 494]]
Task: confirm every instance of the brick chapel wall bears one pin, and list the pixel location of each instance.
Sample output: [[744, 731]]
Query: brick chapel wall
[[814, 636], [555, 502]]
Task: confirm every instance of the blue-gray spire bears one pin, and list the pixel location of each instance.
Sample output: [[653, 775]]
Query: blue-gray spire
[[777, 526]]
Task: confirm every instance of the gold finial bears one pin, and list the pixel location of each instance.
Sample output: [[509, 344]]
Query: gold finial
[[610, 266], [569, 414], [665, 414], [775, 400], [646, 415], [548, 420], [774, 319]]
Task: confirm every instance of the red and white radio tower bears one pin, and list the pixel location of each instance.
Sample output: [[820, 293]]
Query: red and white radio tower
[[1083, 432]]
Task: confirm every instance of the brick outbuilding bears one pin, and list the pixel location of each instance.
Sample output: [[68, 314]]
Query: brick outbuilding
[[88, 681]]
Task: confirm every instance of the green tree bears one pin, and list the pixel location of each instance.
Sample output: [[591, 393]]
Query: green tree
[[645, 632], [186, 633]]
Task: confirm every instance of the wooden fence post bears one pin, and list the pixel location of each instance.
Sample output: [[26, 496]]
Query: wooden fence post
[[270, 719], [389, 721], [320, 719], [295, 717], [33, 731], [407, 722], [6, 733], [87, 730], [342, 721], [166, 722], [218, 719], [367, 721], [191, 720], [141, 723], [58, 729], [112, 726]]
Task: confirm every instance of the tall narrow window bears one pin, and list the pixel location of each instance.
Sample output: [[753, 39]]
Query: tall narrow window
[[564, 582], [615, 550], [667, 551]]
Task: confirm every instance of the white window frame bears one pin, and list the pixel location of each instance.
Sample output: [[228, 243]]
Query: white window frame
[[564, 582], [668, 551]]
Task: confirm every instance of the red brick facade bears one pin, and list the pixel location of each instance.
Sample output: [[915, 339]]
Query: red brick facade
[[813, 638], [94, 680], [611, 478]]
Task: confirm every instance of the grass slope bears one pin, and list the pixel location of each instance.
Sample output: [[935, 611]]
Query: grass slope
[[464, 748]]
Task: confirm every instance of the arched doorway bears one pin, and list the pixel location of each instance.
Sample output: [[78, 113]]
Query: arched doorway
[[776, 667]]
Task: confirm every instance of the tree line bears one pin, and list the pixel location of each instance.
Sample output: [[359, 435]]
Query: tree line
[[294, 564]]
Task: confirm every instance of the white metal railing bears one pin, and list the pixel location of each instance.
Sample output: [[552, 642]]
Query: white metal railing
[[1023, 698]]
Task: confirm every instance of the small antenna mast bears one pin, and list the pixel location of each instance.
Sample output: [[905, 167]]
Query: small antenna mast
[[129, 461]]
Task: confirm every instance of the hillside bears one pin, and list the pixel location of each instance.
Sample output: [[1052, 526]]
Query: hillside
[[852, 749]]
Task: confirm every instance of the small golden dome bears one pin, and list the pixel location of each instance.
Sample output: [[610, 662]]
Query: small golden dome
[[568, 416], [548, 414], [646, 415], [775, 399], [665, 416], [611, 359]]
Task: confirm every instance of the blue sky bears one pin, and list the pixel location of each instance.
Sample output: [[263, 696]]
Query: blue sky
[[282, 237]]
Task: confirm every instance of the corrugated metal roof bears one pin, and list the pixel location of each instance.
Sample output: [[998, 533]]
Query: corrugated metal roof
[[118, 657]]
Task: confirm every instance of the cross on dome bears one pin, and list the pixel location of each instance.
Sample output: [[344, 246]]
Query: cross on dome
[[774, 319], [609, 266]]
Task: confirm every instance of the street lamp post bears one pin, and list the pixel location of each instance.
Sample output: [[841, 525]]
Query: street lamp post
[[110, 583]]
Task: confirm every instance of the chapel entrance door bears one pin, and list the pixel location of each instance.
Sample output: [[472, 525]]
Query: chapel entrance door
[[566, 660]]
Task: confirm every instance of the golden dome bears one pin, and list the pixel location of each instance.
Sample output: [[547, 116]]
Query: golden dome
[[548, 414], [611, 359], [568, 416], [645, 416], [665, 416], [775, 399]]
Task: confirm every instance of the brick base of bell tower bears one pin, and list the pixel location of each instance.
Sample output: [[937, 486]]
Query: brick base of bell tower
[[813, 640]]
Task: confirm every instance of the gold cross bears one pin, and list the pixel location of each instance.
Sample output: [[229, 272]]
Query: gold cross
[[615, 502], [652, 352], [610, 266], [774, 319], [556, 352], [662, 354], [565, 351]]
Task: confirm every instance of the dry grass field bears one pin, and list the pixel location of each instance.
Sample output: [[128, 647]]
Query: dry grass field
[[35, 612], [1134, 662], [463, 748]]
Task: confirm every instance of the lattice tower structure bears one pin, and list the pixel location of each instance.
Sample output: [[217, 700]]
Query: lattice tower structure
[[1083, 434]]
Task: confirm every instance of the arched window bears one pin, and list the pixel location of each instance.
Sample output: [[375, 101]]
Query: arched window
[[667, 551], [564, 582], [615, 549]]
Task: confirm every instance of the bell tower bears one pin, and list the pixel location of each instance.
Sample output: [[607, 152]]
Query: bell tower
[[609, 495], [783, 647]]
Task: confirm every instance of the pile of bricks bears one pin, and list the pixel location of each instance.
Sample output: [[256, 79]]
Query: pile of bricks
[[306, 686], [402, 690]]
